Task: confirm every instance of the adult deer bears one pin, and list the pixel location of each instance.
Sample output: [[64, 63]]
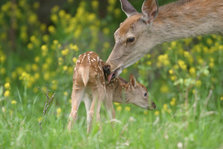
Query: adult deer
[[89, 81], [140, 32]]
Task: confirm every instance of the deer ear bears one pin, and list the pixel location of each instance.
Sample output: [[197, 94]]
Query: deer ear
[[150, 10], [127, 8], [132, 80]]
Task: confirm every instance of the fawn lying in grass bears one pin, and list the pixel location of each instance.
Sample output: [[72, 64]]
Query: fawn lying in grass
[[89, 80]]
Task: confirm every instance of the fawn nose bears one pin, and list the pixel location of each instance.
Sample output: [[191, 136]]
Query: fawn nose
[[153, 105]]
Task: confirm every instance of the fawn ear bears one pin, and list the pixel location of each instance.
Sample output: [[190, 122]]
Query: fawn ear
[[127, 8], [132, 80], [150, 10]]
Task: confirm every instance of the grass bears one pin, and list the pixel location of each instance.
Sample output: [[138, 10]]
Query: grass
[[186, 126]]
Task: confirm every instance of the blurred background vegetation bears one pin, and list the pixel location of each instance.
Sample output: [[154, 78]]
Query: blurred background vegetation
[[40, 41]]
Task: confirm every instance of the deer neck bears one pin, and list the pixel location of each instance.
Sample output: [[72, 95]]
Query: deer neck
[[188, 19]]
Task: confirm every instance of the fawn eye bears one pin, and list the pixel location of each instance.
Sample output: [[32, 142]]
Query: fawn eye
[[145, 94], [130, 39]]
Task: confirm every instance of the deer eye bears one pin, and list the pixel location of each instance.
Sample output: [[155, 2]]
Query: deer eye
[[130, 39], [145, 94]]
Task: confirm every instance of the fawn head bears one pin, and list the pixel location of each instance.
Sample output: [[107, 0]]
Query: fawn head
[[134, 36], [137, 94]]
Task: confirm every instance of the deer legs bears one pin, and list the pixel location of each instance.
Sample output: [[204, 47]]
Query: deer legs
[[76, 99]]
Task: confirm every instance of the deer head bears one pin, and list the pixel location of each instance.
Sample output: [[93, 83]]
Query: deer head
[[131, 38]]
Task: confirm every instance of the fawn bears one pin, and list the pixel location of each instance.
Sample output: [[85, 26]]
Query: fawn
[[89, 80]]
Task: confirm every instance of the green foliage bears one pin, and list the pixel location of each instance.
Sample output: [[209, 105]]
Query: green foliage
[[183, 77]]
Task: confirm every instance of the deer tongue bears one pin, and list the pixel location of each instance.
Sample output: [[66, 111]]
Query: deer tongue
[[111, 76]]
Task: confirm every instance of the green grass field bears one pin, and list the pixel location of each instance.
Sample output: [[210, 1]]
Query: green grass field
[[193, 126]]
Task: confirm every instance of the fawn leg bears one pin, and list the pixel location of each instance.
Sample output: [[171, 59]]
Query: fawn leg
[[91, 113], [87, 104], [77, 95]]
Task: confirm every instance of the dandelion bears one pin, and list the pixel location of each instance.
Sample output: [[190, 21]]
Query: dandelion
[[221, 98], [173, 78], [59, 112], [173, 102], [127, 108], [157, 113], [6, 93], [192, 70], [119, 108], [62, 13], [164, 89], [182, 64], [7, 85], [30, 46], [46, 76], [65, 68], [171, 71], [211, 65], [117, 104], [198, 83], [13, 102], [51, 29], [94, 4], [36, 59], [65, 52], [54, 18], [74, 59], [165, 107], [44, 48]]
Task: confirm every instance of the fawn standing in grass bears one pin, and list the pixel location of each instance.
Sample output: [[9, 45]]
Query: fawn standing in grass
[[89, 81]]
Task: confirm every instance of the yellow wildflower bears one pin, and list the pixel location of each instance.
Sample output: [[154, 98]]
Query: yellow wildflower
[[117, 104], [13, 102], [192, 70], [65, 93], [173, 78], [171, 71], [59, 112], [119, 108], [165, 107], [157, 113], [221, 98], [173, 102], [94, 4], [127, 108], [65, 68], [7, 93], [145, 112], [74, 59], [198, 83], [51, 29], [7, 85], [44, 48], [164, 88], [65, 52]]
